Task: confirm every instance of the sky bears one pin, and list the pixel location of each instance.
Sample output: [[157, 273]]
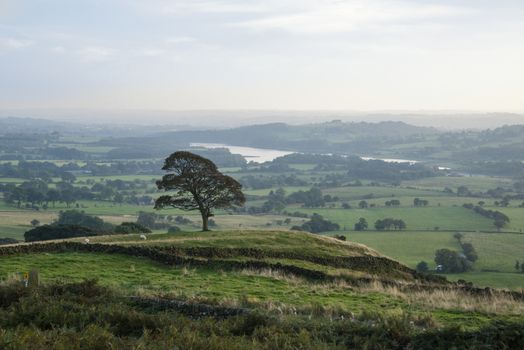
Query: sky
[[355, 55]]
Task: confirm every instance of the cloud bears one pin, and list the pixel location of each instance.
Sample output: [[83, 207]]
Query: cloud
[[95, 53], [14, 43], [153, 52], [167, 7], [339, 16], [180, 40]]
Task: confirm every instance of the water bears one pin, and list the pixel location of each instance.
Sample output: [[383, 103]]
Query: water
[[257, 155], [261, 155]]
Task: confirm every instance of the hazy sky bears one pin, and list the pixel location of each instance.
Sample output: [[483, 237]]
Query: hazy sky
[[272, 54]]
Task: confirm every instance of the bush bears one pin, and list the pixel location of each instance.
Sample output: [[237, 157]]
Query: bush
[[131, 227], [80, 218], [388, 223], [422, 266], [361, 225], [48, 232], [173, 229], [469, 252], [4, 241], [452, 261], [317, 224]]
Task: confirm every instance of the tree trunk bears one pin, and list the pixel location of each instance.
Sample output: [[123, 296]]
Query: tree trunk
[[204, 222]]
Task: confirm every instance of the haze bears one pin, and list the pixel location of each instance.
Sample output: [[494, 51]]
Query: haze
[[260, 55]]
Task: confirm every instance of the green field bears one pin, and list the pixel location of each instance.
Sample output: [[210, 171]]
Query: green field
[[474, 183], [349, 193], [446, 218], [265, 289], [496, 251]]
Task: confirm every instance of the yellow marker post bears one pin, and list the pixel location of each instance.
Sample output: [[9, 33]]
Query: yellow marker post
[[26, 279]]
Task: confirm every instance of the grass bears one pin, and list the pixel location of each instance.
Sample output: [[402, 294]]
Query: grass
[[407, 247], [389, 192], [503, 280], [516, 216], [299, 242], [496, 251], [134, 275], [151, 178], [446, 218], [13, 224], [474, 183], [265, 191], [265, 288]]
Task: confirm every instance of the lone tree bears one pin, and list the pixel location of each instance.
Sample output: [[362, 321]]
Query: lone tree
[[198, 185]]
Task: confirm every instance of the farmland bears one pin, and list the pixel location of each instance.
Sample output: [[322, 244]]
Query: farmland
[[257, 259]]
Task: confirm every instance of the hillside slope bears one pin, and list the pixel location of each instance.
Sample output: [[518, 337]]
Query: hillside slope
[[299, 278]]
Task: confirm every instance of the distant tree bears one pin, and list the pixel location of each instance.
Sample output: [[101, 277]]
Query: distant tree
[[522, 267], [35, 222], [80, 218], [4, 241], [68, 177], [458, 236], [463, 191], [131, 227], [346, 206], [481, 203], [173, 229], [147, 219], [392, 203], [389, 223], [517, 265], [422, 266], [182, 220], [119, 198], [53, 196], [452, 261], [198, 185], [362, 204], [361, 225], [505, 201], [48, 232], [417, 202], [317, 224], [469, 252]]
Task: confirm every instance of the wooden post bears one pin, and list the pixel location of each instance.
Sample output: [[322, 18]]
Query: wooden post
[[33, 279]]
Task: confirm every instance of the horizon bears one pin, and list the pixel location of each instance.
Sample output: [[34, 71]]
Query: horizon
[[445, 120]]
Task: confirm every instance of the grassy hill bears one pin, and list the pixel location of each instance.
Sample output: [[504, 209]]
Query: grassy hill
[[237, 290]]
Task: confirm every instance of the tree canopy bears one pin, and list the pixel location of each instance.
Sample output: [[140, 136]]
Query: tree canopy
[[197, 185]]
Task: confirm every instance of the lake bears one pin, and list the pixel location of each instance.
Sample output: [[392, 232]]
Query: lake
[[261, 155], [256, 155]]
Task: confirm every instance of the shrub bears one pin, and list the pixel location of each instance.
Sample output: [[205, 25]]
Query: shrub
[[318, 224], [422, 266], [48, 232], [452, 261], [469, 252], [173, 229], [8, 241], [131, 227], [80, 218]]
